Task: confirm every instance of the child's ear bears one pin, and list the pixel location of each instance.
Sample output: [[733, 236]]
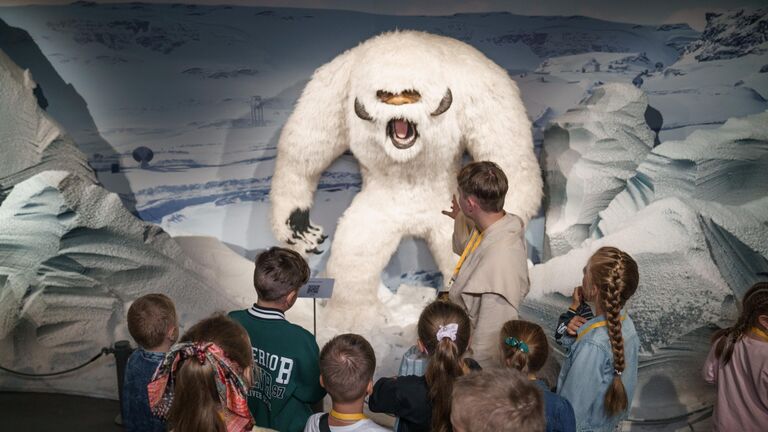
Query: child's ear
[[173, 333], [322, 384], [763, 321], [472, 201], [421, 346], [290, 298], [369, 389]]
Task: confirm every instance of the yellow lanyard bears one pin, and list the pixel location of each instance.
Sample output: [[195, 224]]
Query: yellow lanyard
[[472, 244], [593, 326], [349, 417], [760, 333]]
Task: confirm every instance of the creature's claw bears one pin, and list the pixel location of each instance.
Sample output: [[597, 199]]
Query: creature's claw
[[305, 236]]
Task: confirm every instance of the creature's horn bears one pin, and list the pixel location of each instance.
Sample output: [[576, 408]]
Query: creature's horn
[[444, 104], [361, 112]]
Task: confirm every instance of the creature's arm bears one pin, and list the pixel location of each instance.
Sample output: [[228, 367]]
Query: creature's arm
[[313, 137], [497, 129]]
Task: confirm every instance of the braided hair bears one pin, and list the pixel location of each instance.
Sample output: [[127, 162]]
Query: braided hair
[[754, 304], [613, 274]]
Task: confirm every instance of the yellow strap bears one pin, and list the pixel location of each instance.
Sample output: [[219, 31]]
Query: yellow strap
[[472, 244], [349, 417], [760, 333], [593, 326]]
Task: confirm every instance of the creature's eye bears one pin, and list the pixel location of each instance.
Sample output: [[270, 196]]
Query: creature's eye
[[384, 95], [411, 94], [402, 98]]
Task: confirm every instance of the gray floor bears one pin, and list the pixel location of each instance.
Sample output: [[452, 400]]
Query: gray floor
[[33, 412]]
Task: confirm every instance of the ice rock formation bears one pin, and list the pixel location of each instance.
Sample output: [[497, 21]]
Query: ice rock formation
[[722, 175], [72, 258], [31, 141], [697, 230], [733, 34], [589, 153]]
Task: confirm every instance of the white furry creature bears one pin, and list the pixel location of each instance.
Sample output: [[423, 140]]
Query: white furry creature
[[407, 104]]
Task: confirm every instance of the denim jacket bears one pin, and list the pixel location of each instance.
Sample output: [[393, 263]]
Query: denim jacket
[[135, 401], [557, 410], [588, 371]]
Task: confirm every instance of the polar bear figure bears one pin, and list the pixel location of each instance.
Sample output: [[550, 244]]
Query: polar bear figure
[[407, 104]]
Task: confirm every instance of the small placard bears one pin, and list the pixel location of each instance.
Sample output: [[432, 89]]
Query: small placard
[[317, 288]]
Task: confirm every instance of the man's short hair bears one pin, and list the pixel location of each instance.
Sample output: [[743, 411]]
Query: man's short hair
[[149, 319], [499, 400], [487, 182], [347, 363], [278, 272]]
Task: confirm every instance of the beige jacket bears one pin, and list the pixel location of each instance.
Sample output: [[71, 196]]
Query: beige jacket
[[492, 281]]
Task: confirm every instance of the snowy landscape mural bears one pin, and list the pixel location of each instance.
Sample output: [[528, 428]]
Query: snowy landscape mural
[[139, 144]]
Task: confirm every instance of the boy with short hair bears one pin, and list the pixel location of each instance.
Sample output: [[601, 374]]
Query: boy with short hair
[[153, 324], [286, 354], [347, 363], [501, 400]]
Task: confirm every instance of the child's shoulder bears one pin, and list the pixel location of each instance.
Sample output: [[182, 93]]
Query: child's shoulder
[[300, 331], [140, 356]]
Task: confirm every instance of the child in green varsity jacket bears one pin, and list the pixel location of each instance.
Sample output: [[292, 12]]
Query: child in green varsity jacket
[[287, 355]]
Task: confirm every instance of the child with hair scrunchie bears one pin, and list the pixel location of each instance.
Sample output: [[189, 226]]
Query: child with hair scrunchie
[[423, 403], [524, 347], [202, 384]]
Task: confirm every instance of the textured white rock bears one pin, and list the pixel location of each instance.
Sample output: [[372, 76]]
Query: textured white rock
[[680, 286], [694, 217], [73, 259], [589, 153], [30, 140], [722, 174]]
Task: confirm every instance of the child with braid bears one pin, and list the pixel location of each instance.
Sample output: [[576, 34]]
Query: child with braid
[[738, 366], [599, 373], [423, 403], [524, 347]]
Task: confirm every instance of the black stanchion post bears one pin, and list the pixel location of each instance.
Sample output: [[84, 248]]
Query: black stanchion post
[[123, 350]]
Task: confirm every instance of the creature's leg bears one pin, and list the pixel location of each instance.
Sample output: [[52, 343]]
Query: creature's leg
[[367, 236], [439, 242]]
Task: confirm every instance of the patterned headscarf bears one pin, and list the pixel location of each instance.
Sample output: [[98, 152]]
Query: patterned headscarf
[[229, 383]]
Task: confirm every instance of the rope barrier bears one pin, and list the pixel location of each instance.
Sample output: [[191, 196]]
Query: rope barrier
[[50, 374]]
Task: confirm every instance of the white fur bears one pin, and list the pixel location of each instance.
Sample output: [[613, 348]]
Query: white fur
[[403, 190]]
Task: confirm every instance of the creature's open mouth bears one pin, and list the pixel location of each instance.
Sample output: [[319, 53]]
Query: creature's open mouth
[[402, 133]]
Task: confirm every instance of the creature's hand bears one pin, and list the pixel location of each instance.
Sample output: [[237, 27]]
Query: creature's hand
[[455, 209], [305, 237]]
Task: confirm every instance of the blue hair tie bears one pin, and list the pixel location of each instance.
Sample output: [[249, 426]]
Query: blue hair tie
[[517, 343]]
